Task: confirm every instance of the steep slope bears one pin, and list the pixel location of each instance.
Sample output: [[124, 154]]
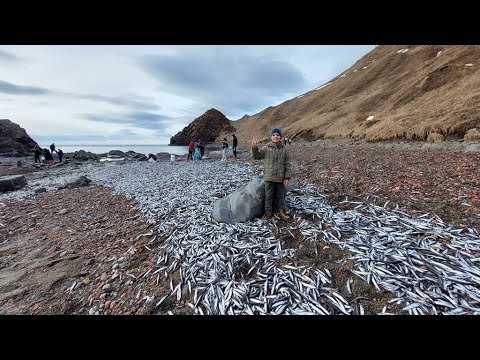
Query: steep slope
[[410, 91], [206, 127]]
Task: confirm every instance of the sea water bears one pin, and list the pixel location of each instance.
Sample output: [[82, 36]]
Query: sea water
[[141, 149]]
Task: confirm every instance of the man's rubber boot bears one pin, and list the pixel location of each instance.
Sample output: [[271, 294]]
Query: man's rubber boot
[[267, 215], [283, 216]]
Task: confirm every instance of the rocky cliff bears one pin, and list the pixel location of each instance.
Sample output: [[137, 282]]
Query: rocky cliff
[[14, 140], [206, 127]]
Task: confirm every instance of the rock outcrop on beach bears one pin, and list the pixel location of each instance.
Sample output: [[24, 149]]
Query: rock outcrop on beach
[[206, 127], [14, 140], [12, 182]]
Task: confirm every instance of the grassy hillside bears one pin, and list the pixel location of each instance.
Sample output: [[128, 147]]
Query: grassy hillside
[[404, 94]]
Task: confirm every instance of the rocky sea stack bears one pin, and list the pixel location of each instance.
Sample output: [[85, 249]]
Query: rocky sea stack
[[206, 127]]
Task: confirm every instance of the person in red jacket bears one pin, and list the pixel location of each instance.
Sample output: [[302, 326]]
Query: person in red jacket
[[191, 146]]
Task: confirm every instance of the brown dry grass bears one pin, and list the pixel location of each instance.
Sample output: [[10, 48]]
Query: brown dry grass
[[410, 94], [472, 135], [435, 137]]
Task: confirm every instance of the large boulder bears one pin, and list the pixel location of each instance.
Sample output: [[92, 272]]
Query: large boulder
[[245, 203], [14, 140], [12, 182]]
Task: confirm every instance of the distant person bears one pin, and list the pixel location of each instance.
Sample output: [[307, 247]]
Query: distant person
[[234, 145], [276, 172], [60, 155], [48, 156], [52, 148], [196, 154], [202, 149], [38, 152], [191, 147], [224, 149], [285, 140]]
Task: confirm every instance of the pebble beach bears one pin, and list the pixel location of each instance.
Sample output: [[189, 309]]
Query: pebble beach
[[140, 239]]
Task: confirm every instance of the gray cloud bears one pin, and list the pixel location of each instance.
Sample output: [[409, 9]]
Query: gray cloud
[[232, 84], [59, 138], [137, 119], [122, 101], [8, 57], [9, 88]]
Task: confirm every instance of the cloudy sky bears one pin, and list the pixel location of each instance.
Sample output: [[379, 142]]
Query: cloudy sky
[[113, 95]]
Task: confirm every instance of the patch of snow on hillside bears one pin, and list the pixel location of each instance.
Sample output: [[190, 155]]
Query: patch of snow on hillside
[[318, 88]]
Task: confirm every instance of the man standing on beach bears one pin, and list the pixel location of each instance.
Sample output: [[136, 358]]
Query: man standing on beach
[[234, 145], [277, 171]]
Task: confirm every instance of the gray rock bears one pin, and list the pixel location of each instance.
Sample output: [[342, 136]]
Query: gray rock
[[472, 147], [81, 181], [245, 203], [12, 182]]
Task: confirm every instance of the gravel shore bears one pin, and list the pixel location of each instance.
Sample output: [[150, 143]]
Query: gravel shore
[[89, 250]]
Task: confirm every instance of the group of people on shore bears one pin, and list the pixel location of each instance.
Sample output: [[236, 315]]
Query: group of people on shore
[[196, 150], [45, 156]]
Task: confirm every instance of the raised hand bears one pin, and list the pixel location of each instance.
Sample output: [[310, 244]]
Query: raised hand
[[254, 142]]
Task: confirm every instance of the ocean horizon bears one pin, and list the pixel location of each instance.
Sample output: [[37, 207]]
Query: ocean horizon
[[142, 149]]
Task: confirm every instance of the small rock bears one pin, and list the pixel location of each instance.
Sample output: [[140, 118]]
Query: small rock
[[3, 312]]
